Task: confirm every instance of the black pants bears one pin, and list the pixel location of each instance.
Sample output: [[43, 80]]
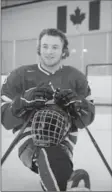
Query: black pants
[[58, 160], [55, 168]]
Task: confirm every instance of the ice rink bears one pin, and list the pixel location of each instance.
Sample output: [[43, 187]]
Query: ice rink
[[16, 177]]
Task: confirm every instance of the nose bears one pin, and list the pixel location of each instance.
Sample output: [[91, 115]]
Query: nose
[[49, 50]]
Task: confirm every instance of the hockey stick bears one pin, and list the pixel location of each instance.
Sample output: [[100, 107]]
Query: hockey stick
[[16, 139], [97, 148]]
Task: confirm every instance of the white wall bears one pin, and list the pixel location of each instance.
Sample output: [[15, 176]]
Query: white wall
[[101, 87], [27, 21], [22, 25]]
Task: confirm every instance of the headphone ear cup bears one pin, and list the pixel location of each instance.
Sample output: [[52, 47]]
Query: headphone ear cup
[[65, 53]]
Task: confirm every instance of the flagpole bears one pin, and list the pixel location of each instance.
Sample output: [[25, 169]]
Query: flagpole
[[82, 55]]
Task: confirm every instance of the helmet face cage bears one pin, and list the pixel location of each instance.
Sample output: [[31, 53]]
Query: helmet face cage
[[49, 127]]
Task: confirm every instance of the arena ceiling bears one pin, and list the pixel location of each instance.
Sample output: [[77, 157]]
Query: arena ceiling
[[13, 3]]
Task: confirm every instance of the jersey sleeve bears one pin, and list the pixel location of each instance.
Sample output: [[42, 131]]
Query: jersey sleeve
[[10, 89], [84, 93], [12, 85]]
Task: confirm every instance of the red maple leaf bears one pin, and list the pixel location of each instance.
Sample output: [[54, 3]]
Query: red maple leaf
[[77, 17]]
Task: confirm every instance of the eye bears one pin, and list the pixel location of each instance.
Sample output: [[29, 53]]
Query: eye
[[45, 46], [55, 47]]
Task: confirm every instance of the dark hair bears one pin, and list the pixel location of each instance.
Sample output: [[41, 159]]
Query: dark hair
[[56, 33]]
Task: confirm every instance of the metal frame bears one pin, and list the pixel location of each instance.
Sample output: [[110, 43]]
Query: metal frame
[[98, 64]]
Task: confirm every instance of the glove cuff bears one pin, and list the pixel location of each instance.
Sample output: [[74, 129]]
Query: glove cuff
[[18, 107]]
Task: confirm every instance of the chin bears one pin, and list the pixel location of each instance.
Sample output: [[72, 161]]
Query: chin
[[50, 64]]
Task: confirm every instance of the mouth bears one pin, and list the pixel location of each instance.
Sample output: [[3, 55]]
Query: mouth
[[49, 58]]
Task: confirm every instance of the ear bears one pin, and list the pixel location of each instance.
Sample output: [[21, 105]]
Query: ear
[[63, 54]]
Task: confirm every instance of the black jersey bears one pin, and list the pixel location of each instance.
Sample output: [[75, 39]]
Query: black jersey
[[26, 77]]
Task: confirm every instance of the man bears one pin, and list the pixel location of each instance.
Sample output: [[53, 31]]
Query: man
[[30, 87]]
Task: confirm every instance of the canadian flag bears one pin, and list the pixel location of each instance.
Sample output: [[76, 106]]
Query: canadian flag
[[84, 16]]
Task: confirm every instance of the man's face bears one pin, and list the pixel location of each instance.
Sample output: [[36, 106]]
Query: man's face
[[51, 50]]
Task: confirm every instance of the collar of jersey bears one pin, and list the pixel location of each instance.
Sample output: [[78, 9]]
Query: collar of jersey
[[45, 71]]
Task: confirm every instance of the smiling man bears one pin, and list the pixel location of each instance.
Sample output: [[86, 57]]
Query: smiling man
[[30, 88], [51, 52]]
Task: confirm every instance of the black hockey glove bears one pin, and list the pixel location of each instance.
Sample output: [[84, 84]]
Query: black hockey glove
[[43, 91], [68, 100], [64, 97], [77, 108], [33, 98]]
